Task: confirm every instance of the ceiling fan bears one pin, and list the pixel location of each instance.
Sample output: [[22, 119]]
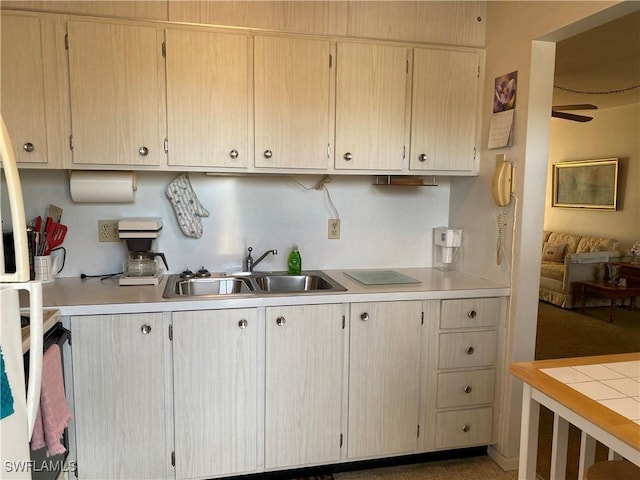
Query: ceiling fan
[[558, 111]]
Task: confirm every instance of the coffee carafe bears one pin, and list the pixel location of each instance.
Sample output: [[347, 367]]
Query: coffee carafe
[[141, 267], [144, 264]]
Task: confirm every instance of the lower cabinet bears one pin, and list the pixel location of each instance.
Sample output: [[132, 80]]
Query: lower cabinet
[[272, 388], [461, 379], [119, 396], [215, 390], [304, 384], [384, 362]]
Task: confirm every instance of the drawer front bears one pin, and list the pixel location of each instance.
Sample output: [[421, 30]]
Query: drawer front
[[470, 313], [464, 428], [467, 349], [464, 389]]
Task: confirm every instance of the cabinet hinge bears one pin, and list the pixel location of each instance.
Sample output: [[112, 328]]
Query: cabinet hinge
[[171, 332], [328, 150], [418, 436], [71, 142], [330, 61], [164, 49], [478, 71], [166, 146], [66, 41], [422, 319], [173, 459], [474, 153], [343, 321], [404, 152], [75, 470], [407, 66], [341, 438]]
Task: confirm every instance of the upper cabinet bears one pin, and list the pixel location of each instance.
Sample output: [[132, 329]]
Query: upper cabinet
[[117, 102], [444, 110], [208, 107], [291, 100], [33, 90], [371, 94]]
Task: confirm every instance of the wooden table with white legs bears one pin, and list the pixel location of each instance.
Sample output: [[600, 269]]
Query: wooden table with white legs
[[600, 395]]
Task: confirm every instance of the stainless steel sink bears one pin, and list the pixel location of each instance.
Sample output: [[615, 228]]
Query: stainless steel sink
[[284, 283], [245, 283], [206, 286]]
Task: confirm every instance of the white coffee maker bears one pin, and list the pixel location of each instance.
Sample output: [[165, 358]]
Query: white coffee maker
[[141, 267]]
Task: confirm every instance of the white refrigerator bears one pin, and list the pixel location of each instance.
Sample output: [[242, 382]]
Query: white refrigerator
[[19, 401]]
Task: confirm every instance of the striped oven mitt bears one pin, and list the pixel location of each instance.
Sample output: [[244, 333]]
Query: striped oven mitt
[[186, 205]]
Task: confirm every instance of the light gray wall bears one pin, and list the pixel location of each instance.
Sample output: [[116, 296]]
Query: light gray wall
[[380, 226], [613, 132]]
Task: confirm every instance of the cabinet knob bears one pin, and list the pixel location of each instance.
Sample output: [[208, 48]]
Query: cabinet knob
[[268, 154], [364, 317], [348, 156], [143, 151], [467, 389], [472, 314], [28, 147], [466, 428], [469, 350], [422, 157], [233, 154], [280, 321], [242, 323], [145, 329]]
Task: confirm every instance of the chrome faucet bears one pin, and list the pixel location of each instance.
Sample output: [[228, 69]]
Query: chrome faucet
[[249, 262]]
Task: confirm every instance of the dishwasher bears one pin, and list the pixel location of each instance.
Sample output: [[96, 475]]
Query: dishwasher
[[43, 467]]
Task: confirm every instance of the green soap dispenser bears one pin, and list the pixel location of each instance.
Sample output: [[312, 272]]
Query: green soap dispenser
[[295, 262]]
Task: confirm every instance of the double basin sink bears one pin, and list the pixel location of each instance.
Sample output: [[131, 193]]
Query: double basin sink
[[255, 283]]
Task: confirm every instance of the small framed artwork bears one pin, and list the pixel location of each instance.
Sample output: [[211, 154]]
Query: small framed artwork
[[589, 184]]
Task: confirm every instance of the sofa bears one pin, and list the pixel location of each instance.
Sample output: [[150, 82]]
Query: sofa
[[569, 258]]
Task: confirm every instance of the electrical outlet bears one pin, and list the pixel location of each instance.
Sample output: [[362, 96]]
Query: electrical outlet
[[334, 228], [108, 231]]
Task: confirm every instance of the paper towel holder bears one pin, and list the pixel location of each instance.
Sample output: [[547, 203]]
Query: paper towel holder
[[128, 187]]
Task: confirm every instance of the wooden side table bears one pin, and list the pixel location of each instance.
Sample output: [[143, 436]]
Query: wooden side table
[[610, 291]]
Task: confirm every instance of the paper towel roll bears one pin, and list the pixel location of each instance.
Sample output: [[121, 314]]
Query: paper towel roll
[[102, 187]]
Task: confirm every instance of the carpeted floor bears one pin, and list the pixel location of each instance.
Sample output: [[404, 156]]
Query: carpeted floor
[[567, 333]]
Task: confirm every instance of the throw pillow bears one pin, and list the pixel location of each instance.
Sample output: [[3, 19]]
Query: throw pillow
[[553, 252]]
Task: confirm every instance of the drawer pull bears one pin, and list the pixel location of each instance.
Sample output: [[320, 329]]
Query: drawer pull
[[466, 428], [472, 314], [242, 323], [467, 389], [469, 350]]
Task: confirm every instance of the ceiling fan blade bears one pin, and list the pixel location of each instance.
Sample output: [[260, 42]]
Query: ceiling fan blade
[[571, 116], [578, 106]]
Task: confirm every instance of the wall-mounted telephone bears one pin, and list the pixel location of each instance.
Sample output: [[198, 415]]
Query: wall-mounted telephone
[[501, 186]]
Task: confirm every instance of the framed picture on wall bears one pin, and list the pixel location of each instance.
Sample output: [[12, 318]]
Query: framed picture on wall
[[589, 184]]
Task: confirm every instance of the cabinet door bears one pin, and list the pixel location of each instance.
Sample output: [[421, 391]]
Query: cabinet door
[[371, 90], [444, 109], [384, 361], [116, 93], [304, 365], [119, 395], [34, 90], [291, 102], [215, 375], [207, 99]]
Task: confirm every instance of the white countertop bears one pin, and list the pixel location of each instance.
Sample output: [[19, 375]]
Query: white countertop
[[75, 296]]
